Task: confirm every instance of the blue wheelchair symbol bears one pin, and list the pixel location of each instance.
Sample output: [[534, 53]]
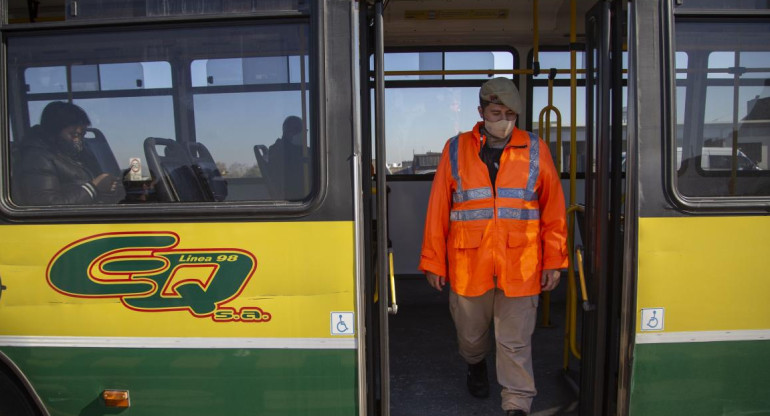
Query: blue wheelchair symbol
[[653, 321], [341, 325]]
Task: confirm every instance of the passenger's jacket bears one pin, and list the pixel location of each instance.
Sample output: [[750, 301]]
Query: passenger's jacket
[[46, 174], [482, 237]]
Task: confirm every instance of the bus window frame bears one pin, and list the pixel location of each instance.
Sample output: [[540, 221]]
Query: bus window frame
[[440, 83], [694, 204], [133, 20], [266, 209]]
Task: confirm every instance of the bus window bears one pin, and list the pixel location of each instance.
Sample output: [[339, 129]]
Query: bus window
[[723, 4], [724, 132], [421, 120], [561, 100], [423, 110], [177, 115], [21, 12]]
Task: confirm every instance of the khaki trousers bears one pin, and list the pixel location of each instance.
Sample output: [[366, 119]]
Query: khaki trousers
[[514, 320]]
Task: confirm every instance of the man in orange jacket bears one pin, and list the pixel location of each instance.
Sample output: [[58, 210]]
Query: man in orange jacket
[[496, 229]]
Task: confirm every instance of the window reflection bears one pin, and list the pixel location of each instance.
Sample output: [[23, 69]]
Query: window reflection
[[167, 140], [723, 138]]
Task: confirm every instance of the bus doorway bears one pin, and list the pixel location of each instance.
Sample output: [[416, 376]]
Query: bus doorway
[[429, 92]]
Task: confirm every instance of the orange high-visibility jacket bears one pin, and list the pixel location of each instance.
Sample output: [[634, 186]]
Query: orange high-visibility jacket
[[474, 233]]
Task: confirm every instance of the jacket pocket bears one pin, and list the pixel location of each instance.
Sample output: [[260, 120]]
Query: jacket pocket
[[467, 238], [522, 253], [463, 256], [517, 239]]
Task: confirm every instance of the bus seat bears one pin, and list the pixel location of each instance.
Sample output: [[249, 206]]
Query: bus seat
[[207, 170], [16, 183], [263, 161], [95, 142], [173, 172]]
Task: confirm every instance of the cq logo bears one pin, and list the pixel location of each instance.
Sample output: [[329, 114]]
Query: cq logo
[[147, 274]]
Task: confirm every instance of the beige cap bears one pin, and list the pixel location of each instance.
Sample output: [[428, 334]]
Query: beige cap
[[501, 90]]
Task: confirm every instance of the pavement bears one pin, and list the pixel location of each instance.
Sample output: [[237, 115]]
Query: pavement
[[428, 374]]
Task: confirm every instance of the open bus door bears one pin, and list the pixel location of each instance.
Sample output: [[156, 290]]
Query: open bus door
[[604, 234], [377, 265]]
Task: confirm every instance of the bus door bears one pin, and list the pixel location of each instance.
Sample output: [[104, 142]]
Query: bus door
[[603, 238], [377, 262]]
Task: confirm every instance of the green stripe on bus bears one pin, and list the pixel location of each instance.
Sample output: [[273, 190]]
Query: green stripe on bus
[[701, 378], [193, 382]]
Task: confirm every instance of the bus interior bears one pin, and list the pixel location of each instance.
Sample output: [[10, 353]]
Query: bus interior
[[436, 55]]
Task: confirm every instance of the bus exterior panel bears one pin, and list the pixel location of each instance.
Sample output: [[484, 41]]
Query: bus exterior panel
[[702, 320], [184, 316], [702, 323], [237, 302]]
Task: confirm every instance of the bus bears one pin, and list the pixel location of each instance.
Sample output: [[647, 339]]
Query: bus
[[258, 252]]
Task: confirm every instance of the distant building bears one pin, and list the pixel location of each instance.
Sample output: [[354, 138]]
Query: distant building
[[423, 163]]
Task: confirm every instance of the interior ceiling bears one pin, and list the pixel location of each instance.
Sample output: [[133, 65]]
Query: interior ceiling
[[480, 22]]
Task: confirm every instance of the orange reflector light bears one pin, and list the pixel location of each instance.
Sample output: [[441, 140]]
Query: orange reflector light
[[116, 398]]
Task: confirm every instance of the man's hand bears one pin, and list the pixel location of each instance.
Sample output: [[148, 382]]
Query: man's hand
[[435, 281], [549, 280], [105, 183]]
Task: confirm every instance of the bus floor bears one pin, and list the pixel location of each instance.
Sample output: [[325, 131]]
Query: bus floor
[[427, 375]]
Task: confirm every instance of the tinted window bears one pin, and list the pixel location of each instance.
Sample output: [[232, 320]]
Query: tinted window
[[69, 10], [723, 132], [205, 115]]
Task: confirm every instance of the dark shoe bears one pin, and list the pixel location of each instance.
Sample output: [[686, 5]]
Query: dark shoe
[[478, 381], [516, 412]]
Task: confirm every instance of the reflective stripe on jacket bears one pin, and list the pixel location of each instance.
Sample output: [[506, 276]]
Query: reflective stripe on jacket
[[474, 233]]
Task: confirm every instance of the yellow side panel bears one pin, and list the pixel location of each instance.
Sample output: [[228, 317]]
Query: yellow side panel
[[708, 273], [284, 279]]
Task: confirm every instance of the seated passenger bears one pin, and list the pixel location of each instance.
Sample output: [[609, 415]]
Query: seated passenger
[[56, 168], [288, 162]]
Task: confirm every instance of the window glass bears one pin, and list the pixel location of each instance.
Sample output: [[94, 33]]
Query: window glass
[[46, 79], [561, 61], [85, 77], [102, 77], [478, 60], [113, 132], [121, 76], [723, 4], [681, 65], [243, 71], [420, 119], [124, 137], [561, 100], [549, 131], [69, 10], [450, 61], [406, 62], [723, 135]]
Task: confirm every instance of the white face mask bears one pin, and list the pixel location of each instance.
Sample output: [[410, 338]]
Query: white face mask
[[501, 128]]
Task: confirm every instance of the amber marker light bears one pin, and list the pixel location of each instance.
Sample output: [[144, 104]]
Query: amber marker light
[[116, 398]]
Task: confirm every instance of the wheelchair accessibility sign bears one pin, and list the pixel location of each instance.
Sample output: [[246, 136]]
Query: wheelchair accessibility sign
[[652, 319], [342, 323]]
